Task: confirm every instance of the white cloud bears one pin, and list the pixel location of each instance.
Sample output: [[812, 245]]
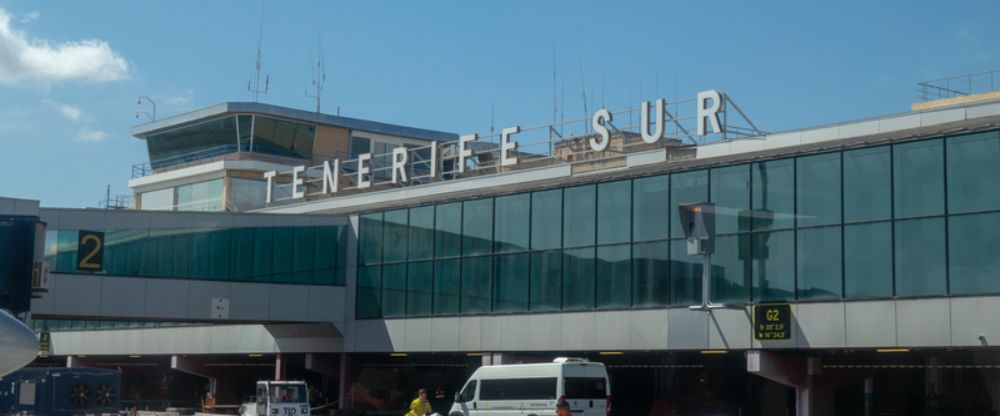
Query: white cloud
[[22, 58], [90, 135], [68, 111], [30, 16]]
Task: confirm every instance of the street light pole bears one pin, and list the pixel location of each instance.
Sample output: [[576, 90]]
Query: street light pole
[[139, 103]]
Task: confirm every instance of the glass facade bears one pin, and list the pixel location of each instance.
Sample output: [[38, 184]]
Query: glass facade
[[912, 219]]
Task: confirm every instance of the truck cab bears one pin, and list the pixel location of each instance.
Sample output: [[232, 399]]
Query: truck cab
[[282, 398]]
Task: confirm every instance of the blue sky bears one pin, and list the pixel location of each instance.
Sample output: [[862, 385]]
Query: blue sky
[[70, 72]]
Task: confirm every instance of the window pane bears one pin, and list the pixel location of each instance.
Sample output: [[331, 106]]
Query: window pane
[[773, 265], [511, 285], [448, 230], [867, 184], [614, 212], [447, 286], [476, 284], [394, 236], [263, 253], [920, 257], [191, 143], [281, 259], [973, 171], [818, 189], [650, 210], [394, 290], [579, 210], [614, 277], [578, 279], [868, 260], [919, 179], [419, 282], [421, 233], [974, 242], [686, 188], [477, 227], [370, 244], [685, 275], [819, 267], [241, 255], [546, 280], [773, 194], [512, 222], [651, 270], [546, 219], [731, 195], [731, 269], [327, 255], [369, 292], [283, 138]]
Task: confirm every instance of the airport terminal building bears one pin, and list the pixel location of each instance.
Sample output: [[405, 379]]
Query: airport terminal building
[[857, 262]]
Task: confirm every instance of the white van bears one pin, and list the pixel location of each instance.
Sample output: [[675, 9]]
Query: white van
[[533, 389]]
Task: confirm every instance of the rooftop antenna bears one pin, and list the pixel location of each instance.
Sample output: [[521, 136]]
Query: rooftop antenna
[[602, 88], [319, 76], [256, 90], [583, 89], [492, 118]]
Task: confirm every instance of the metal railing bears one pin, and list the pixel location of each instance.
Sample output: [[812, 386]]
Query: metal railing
[[959, 86], [147, 168]]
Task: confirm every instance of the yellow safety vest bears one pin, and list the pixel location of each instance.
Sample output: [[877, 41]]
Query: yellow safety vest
[[419, 408]]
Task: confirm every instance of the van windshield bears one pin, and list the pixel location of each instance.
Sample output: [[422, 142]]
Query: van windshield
[[543, 388], [585, 388]]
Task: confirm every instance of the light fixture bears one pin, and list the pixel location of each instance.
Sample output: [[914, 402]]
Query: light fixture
[[714, 352], [474, 354], [611, 353], [398, 354], [255, 354], [134, 356], [893, 350]]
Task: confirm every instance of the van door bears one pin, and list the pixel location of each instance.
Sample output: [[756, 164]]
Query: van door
[[518, 396], [465, 403], [587, 396]]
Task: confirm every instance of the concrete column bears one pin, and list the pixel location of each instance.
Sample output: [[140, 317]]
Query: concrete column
[[279, 367], [813, 397], [345, 382]]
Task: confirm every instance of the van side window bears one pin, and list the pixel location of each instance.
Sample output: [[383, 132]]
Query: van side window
[[542, 388], [585, 388], [469, 392]]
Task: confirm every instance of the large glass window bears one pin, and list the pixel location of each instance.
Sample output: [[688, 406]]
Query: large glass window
[[651, 271], [731, 269], [369, 292], [773, 194], [731, 195], [421, 233], [246, 194], [477, 227], [447, 286], [868, 260], [974, 244], [579, 215], [476, 282], [578, 279], [394, 290], [511, 283], [448, 230], [614, 212], [512, 222], [358, 146], [773, 265], [919, 179], [395, 240], [201, 196], [818, 189], [818, 263], [419, 287], [283, 138], [686, 188], [920, 257], [546, 219], [973, 172], [160, 200], [614, 276], [546, 280], [685, 275], [867, 184], [650, 204], [370, 240], [187, 144]]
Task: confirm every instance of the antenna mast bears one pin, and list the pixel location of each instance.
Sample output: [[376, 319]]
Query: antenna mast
[[319, 76], [256, 90]]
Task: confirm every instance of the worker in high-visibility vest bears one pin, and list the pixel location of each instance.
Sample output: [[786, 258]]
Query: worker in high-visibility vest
[[420, 406]]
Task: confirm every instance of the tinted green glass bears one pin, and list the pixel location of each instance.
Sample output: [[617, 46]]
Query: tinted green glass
[[579, 210], [614, 212], [477, 227], [394, 238], [867, 184], [183, 250], [369, 292], [818, 267], [651, 274], [773, 265], [241, 256], [447, 286], [614, 276], [649, 197], [973, 263], [818, 189], [66, 241], [973, 171], [512, 222], [303, 255], [476, 282], [421, 233], [510, 288], [919, 178], [165, 254], [685, 188], [546, 280], [920, 257], [326, 255], [282, 137], [394, 290], [773, 194], [419, 285], [283, 243], [731, 272], [178, 145], [123, 252], [868, 260], [370, 240], [578, 279], [685, 275], [448, 230], [731, 195], [546, 219]]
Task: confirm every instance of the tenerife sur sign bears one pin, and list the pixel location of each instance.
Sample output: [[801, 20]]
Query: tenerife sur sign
[[709, 105]]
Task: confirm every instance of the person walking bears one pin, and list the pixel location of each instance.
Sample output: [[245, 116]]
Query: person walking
[[420, 406], [562, 408]]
